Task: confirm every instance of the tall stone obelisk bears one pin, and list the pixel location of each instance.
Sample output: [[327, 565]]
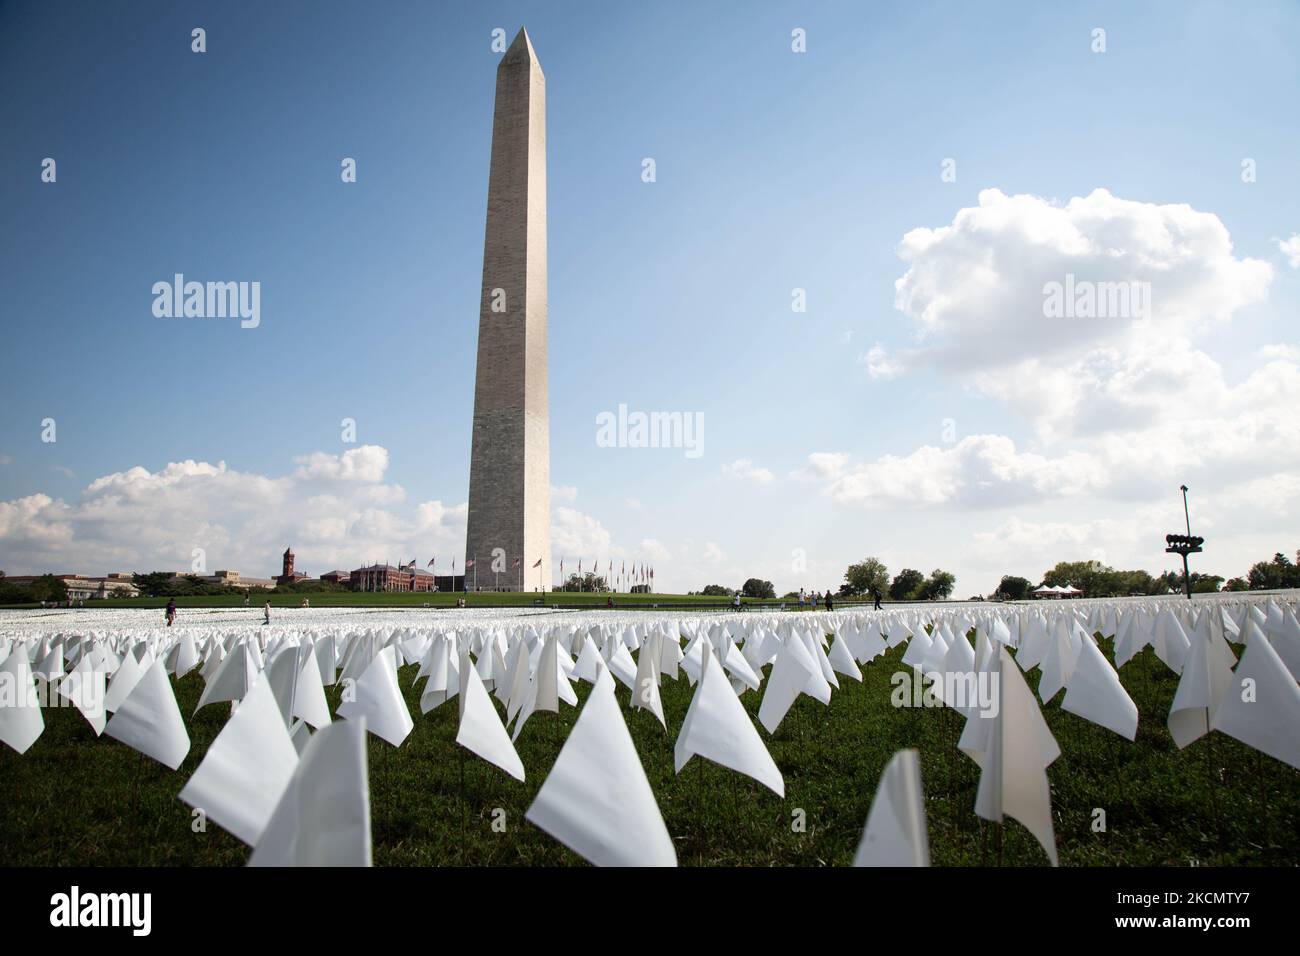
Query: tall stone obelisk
[[510, 464]]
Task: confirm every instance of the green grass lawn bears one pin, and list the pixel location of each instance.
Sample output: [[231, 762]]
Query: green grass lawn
[[73, 799]]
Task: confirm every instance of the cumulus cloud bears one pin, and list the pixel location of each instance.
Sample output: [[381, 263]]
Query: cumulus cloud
[[1120, 408], [577, 535], [880, 364], [823, 465], [974, 298], [365, 463], [654, 550], [333, 509], [1219, 436], [973, 289], [980, 470], [745, 470], [1291, 249]]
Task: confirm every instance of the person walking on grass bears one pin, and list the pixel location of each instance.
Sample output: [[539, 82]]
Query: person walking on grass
[[801, 599], [266, 613], [876, 594], [829, 604], [171, 612], [735, 602]]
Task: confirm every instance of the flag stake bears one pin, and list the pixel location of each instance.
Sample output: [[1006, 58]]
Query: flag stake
[[1214, 792]]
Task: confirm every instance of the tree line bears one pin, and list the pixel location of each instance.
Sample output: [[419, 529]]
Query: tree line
[[1095, 579]]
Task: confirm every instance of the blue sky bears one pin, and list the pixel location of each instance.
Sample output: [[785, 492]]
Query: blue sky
[[775, 171]]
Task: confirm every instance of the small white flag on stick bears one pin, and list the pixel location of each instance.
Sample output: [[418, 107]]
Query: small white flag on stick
[[596, 799], [895, 831], [150, 721], [246, 770], [323, 818]]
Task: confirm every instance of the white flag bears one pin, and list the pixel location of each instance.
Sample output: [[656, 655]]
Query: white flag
[[596, 799], [895, 831]]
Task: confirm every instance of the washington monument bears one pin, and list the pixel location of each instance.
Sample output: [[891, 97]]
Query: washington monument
[[509, 526]]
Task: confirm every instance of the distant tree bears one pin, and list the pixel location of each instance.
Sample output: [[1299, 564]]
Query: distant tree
[[907, 585], [151, 584], [790, 596], [1077, 574], [1095, 579], [1013, 588], [45, 588], [49, 588], [584, 582], [938, 586], [1206, 583], [717, 590], [1168, 581], [867, 575], [1271, 575], [757, 588], [1236, 584]]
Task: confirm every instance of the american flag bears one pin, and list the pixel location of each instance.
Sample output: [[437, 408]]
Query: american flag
[[538, 564]]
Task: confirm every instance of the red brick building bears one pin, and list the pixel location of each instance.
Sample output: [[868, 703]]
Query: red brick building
[[385, 577], [287, 575]]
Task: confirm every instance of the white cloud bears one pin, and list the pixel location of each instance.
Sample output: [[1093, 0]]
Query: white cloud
[[1287, 353], [973, 294], [879, 363], [823, 465], [745, 470], [331, 509], [654, 550], [980, 470], [364, 463], [974, 289], [1122, 409], [632, 504], [576, 535], [563, 493], [1291, 249], [63, 470]]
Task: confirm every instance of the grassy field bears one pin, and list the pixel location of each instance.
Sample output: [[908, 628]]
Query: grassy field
[[74, 799]]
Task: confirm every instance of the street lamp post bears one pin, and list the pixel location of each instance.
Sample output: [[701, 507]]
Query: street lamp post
[[1184, 545]]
